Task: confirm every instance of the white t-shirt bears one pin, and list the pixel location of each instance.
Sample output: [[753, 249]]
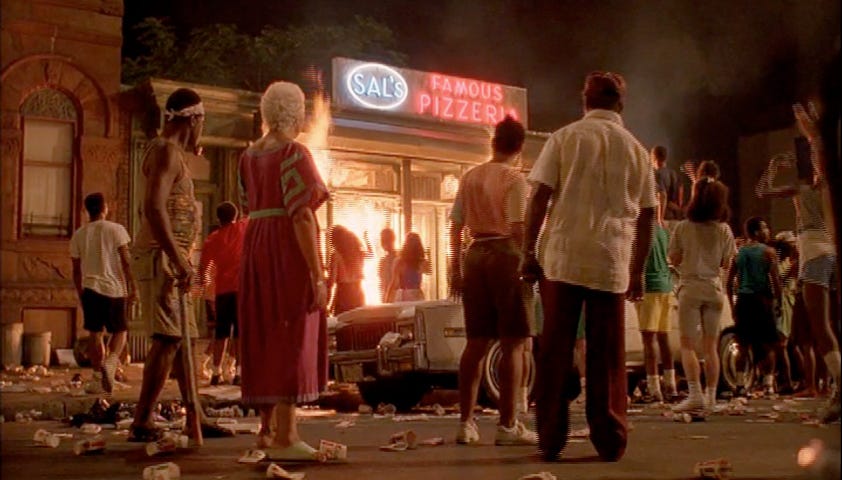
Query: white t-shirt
[[704, 247], [95, 245], [601, 177]]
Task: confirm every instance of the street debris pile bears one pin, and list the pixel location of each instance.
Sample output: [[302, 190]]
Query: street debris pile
[[163, 471], [719, 469], [42, 380]]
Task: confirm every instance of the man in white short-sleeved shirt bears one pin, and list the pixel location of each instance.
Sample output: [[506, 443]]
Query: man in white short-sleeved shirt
[[593, 251], [103, 279]]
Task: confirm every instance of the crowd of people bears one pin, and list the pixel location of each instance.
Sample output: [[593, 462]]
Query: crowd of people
[[605, 223]]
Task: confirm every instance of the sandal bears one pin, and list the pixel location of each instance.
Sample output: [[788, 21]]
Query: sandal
[[145, 434]]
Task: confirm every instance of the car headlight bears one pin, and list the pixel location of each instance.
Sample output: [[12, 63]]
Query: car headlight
[[407, 332]]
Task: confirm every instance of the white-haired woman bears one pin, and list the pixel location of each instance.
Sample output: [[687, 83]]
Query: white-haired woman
[[282, 290]]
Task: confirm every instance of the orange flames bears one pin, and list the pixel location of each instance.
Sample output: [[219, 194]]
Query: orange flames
[[357, 214]]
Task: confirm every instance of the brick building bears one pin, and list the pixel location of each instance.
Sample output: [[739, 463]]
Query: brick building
[[62, 138]]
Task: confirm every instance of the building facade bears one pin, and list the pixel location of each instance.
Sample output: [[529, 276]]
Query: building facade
[[62, 138]]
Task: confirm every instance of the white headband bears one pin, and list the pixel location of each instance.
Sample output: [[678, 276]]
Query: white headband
[[192, 111]]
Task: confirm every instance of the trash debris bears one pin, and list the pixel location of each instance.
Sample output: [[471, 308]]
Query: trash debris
[[439, 410], [252, 456], [772, 415], [275, 471], [432, 442], [407, 437], [421, 417], [92, 445], [345, 424], [90, 428], [634, 410], [718, 469], [386, 409], [539, 476], [693, 437], [76, 381], [580, 433], [364, 409], [332, 451], [42, 390], [168, 444], [162, 471], [46, 439], [394, 447]]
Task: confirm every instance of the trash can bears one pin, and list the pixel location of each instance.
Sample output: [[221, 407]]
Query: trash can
[[36, 348], [12, 344]]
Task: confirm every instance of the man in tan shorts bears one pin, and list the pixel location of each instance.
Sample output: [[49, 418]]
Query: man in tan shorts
[[169, 227]]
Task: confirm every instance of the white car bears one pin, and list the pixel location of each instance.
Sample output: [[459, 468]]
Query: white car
[[397, 352]]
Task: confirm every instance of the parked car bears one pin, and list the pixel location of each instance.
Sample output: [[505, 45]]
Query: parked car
[[397, 352]]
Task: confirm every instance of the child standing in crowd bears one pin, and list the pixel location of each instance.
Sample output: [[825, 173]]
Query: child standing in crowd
[[653, 313], [787, 265], [758, 277], [220, 266], [699, 248]]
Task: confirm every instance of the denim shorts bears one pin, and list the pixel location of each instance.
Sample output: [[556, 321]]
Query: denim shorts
[[820, 271]]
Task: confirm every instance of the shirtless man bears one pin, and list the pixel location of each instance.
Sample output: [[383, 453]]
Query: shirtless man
[[169, 227]]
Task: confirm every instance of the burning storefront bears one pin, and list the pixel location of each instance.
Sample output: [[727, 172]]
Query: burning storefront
[[391, 144]]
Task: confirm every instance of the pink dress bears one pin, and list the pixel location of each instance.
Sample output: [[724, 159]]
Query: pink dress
[[284, 346]]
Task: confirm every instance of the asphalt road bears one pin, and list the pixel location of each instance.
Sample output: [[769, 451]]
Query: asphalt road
[[756, 446]]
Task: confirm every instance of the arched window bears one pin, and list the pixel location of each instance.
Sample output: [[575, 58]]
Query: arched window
[[49, 120]]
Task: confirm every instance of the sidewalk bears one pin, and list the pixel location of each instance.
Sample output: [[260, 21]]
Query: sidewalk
[[53, 396]]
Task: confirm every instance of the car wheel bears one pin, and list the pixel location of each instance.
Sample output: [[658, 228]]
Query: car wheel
[[491, 374], [737, 363], [404, 392]]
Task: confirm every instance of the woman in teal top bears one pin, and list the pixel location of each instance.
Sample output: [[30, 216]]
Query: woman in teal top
[[759, 288]]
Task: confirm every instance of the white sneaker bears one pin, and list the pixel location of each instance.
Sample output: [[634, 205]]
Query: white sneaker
[[468, 433], [691, 405], [518, 434]]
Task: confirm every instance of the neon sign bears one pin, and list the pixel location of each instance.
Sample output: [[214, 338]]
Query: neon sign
[[376, 86], [434, 96]]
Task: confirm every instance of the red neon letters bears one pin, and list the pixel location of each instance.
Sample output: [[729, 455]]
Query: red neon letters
[[464, 100]]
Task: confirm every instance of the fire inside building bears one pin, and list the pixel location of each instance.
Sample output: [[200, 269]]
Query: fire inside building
[[391, 143]]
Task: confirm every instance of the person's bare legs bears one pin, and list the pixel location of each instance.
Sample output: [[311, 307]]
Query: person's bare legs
[[96, 351], [511, 372], [817, 301], [264, 436], [183, 387], [469, 375], [782, 354], [286, 428], [522, 394], [667, 364], [710, 346], [808, 362], [117, 343], [156, 370], [218, 350], [650, 357]]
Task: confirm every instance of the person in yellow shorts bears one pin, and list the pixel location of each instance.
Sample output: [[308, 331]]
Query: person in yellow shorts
[[653, 314]]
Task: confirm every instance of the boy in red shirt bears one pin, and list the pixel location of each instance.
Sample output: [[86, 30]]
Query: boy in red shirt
[[220, 265]]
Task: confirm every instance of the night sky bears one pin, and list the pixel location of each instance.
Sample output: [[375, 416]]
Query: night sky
[[699, 74]]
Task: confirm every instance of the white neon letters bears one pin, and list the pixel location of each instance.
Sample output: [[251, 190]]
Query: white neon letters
[[376, 86]]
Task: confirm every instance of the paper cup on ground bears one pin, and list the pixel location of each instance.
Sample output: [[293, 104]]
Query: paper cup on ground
[[92, 445], [163, 471], [275, 471], [332, 451]]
